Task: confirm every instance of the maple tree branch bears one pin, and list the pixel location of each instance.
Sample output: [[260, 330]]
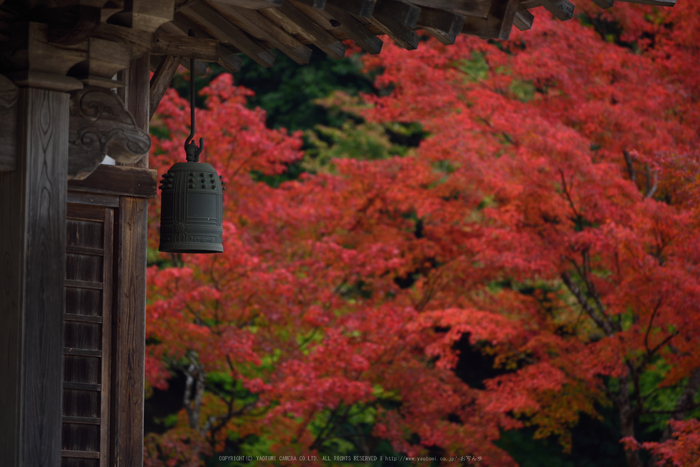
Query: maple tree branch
[[321, 437], [661, 344], [583, 301], [584, 275], [567, 192], [220, 395], [675, 410], [630, 166], [651, 189], [651, 321], [637, 389], [683, 405]]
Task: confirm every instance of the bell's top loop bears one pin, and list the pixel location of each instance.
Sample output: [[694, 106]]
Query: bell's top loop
[[192, 150]]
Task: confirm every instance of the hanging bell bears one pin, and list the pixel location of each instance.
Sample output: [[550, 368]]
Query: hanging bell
[[192, 209], [192, 203]]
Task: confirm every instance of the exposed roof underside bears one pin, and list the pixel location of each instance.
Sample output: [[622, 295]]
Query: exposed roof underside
[[254, 27]]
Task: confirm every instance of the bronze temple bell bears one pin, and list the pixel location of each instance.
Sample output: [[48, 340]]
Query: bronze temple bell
[[192, 200]]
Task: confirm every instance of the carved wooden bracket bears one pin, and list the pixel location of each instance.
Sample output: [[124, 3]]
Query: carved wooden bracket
[[101, 125]]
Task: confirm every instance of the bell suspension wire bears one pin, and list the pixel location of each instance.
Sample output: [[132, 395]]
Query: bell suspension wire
[[191, 149]]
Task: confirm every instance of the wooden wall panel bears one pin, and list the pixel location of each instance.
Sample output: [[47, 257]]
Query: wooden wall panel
[[88, 334], [33, 255]]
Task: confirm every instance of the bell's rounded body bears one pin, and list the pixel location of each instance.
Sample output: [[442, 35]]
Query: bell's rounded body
[[191, 209]]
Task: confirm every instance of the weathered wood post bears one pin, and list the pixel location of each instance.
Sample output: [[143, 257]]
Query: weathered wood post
[[33, 189], [130, 323]]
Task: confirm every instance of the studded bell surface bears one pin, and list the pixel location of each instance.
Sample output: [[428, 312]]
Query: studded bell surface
[[191, 209]]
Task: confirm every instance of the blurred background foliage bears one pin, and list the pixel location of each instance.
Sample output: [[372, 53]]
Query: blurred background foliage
[[321, 100]]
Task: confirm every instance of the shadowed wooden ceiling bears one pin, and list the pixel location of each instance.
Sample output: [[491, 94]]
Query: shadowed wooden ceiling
[[253, 27], [76, 43]]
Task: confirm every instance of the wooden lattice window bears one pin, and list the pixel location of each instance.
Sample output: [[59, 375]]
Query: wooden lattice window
[[87, 336]]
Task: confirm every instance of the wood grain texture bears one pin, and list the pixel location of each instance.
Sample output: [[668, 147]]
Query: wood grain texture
[[129, 323], [252, 4], [296, 22], [93, 199], [226, 56], [605, 4], [563, 10], [353, 28], [118, 180], [129, 313], [101, 125], [497, 24], [160, 82], [478, 8], [225, 31], [107, 308], [260, 27], [137, 97], [397, 20], [8, 122], [359, 8], [87, 330], [523, 19], [32, 259], [180, 45], [442, 25]]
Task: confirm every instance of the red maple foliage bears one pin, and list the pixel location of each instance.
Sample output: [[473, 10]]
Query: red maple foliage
[[550, 214]]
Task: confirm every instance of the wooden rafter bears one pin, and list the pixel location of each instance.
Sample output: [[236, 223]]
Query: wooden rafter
[[88, 41], [160, 81]]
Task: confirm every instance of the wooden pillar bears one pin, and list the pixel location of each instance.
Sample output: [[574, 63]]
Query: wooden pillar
[[130, 317], [32, 268]]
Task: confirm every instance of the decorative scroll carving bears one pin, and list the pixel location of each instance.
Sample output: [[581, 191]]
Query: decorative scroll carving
[[101, 125]]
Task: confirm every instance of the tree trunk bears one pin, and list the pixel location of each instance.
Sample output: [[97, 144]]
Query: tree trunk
[[627, 417]]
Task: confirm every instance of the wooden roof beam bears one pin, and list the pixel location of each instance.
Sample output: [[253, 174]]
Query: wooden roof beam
[[353, 28], [359, 8], [604, 4], [497, 24], [42, 64], [161, 81], [563, 10], [320, 4], [296, 22], [226, 56], [524, 19], [180, 45], [398, 20], [667, 3], [478, 8], [442, 25], [72, 24], [144, 15], [262, 28], [225, 31], [252, 4]]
